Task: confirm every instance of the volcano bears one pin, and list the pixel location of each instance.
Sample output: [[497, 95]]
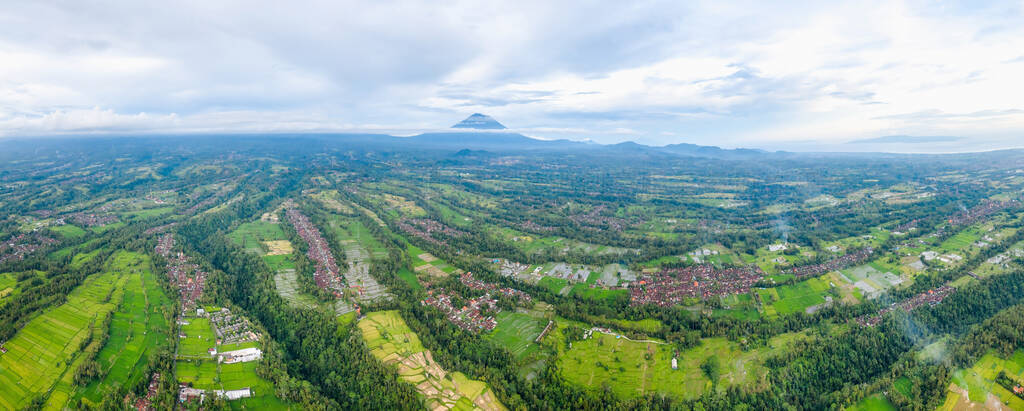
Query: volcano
[[480, 122]]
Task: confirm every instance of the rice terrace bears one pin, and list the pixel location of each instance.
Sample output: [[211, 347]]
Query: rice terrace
[[503, 206]]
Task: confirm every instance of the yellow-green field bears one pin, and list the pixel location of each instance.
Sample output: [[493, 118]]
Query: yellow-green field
[[392, 341], [973, 387]]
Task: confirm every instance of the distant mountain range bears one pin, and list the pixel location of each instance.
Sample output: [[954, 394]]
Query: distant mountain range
[[906, 140]]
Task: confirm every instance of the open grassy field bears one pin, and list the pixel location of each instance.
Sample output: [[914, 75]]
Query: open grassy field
[[794, 298], [875, 402], [738, 306], [392, 341], [43, 353], [68, 231], [554, 284], [634, 368], [251, 235], [147, 213], [199, 338]]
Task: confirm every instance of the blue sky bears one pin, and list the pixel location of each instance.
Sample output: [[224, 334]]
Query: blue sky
[[801, 75]]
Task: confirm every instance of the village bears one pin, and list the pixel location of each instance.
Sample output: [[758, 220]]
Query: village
[[21, 245], [187, 276], [326, 274], [475, 284], [671, 287], [847, 260], [470, 317], [930, 297], [424, 228], [978, 212]]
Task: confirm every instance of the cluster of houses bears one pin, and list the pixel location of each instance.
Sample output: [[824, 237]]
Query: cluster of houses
[[21, 245], [475, 284], [470, 317], [509, 268], [670, 287], [145, 403], [594, 218], [930, 297], [529, 225], [980, 211], [187, 276], [844, 261], [92, 219], [164, 245], [230, 328], [425, 228], [156, 197], [326, 273]]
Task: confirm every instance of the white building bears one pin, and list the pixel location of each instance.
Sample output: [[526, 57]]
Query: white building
[[675, 364], [243, 355], [231, 395]]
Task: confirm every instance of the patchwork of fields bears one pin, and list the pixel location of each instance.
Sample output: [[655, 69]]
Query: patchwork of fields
[[974, 387]]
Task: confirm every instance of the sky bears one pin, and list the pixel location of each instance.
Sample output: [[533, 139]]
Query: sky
[[773, 75]]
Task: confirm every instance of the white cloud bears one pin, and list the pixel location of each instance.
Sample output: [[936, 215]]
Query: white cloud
[[740, 73]]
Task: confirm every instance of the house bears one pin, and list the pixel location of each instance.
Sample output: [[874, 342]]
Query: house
[[186, 393], [675, 364]]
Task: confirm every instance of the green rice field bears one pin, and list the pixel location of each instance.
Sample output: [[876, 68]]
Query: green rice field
[[516, 332], [43, 353]]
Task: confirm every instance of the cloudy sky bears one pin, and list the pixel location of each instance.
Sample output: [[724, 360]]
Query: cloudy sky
[[751, 74]]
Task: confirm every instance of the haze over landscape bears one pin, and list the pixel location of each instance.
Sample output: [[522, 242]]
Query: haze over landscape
[[794, 76], [573, 205]]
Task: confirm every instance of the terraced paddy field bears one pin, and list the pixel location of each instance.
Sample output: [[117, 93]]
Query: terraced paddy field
[[349, 229], [392, 341], [138, 329], [636, 368], [41, 357], [288, 288], [973, 387], [516, 332]]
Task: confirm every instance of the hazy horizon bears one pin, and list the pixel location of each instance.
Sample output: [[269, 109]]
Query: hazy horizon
[[768, 76]]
